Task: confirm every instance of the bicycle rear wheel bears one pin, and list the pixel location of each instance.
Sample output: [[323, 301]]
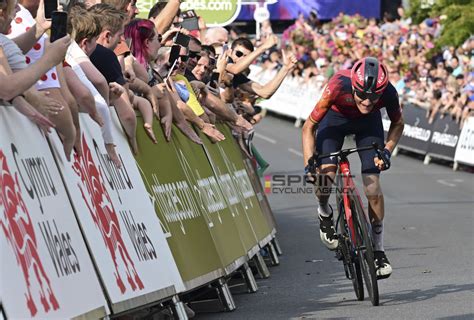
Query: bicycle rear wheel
[[365, 252]]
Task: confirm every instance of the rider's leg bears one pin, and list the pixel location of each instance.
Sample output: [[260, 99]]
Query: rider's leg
[[326, 176], [375, 199], [370, 131], [329, 138]]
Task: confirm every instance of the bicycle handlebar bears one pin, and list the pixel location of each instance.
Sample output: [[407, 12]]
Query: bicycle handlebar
[[345, 152]]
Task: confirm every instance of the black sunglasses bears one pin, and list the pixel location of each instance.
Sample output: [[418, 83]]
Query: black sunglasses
[[239, 53], [371, 96], [184, 58], [194, 54]]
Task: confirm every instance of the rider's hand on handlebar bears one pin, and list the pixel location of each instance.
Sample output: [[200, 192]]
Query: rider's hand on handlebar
[[382, 159], [311, 169]]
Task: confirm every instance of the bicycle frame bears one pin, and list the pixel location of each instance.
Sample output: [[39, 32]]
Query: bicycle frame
[[348, 185]]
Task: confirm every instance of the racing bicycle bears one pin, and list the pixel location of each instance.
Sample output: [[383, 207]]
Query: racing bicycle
[[353, 226]]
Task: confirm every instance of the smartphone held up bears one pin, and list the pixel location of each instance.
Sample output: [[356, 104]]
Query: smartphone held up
[[49, 7], [58, 25]]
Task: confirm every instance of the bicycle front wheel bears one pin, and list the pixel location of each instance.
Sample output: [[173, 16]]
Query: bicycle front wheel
[[351, 260], [365, 252]]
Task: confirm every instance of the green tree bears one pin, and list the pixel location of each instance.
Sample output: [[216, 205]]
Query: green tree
[[459, 22]]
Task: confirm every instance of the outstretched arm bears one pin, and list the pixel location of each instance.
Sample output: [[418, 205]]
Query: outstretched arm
[[245, 62], [267, 90]]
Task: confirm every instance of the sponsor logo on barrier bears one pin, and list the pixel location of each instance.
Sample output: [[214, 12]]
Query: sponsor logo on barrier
[[241, 181], [444, 139], [228, 188], [175, 201], [467, 142], [417, 132], [211, 194], [36, 172], [139, 235], [206, 190], [60, 249], [100, 207], [244, 184], [18, 229], [118, 179]]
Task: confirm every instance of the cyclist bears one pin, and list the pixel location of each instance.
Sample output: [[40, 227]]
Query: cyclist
[[350, 104]]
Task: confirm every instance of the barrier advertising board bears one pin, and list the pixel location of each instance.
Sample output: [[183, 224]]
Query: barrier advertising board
[[232, 155], [417, 133], [233, 194], [118, 220], [445, 138], [465, 148], [210, 195], [46, 271], [166, 174]]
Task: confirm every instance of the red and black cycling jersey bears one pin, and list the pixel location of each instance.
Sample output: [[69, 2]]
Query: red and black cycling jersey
[[338, 96]]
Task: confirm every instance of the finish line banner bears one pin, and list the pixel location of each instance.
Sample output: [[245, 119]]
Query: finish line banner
[[128, 245], [45, 269]]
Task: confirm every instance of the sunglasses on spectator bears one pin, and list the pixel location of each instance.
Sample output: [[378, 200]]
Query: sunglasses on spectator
[[371, 96], [239, 53], [184, 58], [194, 54]]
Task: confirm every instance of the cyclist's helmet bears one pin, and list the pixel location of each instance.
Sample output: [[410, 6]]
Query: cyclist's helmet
[[369, 78]]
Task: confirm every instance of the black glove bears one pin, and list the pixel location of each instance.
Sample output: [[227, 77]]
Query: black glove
[[385, 156], [310, 169]]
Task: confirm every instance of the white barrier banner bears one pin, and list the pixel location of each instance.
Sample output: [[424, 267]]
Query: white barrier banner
[[465, 148], [294, 98], [46, 271], [118, 219]]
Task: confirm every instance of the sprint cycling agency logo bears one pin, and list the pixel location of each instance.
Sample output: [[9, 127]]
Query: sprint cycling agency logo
[[296, 184], [287, 184]]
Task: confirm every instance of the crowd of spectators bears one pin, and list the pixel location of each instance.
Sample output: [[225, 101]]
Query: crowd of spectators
[[111, 58], [442, 82]]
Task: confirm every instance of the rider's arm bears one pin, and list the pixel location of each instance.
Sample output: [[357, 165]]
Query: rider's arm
[[394, 133], [397, 124], [312, 123], [308, 136]]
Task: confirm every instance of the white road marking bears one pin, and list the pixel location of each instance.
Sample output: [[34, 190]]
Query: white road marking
[[444, 182], [261, 136], [298, 153]]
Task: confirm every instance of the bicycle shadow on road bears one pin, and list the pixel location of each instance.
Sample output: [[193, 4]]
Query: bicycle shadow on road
[[458, 317], [417, 295]]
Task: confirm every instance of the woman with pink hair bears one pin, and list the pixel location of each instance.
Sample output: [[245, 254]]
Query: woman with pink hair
[[144, 45]]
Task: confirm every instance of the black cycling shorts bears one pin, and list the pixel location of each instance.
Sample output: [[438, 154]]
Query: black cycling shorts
[[367, 129]]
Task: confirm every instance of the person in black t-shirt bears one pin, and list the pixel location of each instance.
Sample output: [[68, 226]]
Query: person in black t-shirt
[[105, 60]]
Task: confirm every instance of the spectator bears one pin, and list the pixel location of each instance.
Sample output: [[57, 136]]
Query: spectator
[[145, 46], [51, 86]]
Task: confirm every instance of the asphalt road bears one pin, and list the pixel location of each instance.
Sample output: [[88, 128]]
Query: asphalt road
[[429, 239]]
